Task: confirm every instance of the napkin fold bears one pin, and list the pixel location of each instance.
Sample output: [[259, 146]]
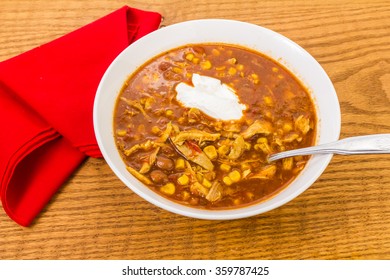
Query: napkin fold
[[46, 104]]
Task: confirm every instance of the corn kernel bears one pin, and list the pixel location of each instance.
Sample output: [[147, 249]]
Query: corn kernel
[[188, 75], [156, 130], [249, 195], [232, 71], [268, 101], [180, 164], [237, 201], [169, 113], [225, 167], [168, 189], [235, 176], [206, 183], [195, 60], [240, 67], [287, 127], [227, 181], [215, 52], [223, 150], [183, 180], [262, 140], [255, 78], [185, 195], [211, 152], [232, 60], [121, 132], [205, 65], [190, 56]]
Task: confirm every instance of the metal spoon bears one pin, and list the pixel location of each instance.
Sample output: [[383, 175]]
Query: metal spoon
[[369, 144]]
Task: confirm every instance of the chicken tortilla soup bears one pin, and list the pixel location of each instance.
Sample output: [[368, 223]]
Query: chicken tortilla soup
[[196, 124]]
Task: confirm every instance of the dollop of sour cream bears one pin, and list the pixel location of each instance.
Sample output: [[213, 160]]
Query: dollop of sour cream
[[211, 96]]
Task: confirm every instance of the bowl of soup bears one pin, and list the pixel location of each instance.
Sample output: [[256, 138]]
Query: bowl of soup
[[187, 116]]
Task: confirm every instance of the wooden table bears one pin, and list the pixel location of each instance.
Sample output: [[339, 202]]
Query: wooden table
[[344, 215]]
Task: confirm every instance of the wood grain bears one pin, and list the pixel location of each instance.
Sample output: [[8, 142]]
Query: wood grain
[[344, 215]]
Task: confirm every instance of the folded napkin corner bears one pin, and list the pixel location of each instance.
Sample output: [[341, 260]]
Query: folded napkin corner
[[46, 96]]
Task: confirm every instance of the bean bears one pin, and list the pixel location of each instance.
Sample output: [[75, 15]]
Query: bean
[[164, 66], [168, 151], [158, 176], [164, 163], [198, 49]]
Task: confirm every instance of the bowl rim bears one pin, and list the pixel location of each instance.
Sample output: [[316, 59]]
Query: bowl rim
[[320, 161]]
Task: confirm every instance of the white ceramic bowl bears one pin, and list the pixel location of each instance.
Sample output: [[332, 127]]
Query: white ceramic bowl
[[274, 45]]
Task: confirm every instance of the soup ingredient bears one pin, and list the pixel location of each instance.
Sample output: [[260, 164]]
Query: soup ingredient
[[171, 141], [211, 97]]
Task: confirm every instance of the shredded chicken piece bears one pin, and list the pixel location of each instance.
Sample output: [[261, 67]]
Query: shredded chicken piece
[[237, 148], [139, 176], [167, 132], [195, 186], [215, 192], [302, 123], [153, 156], [196, 135], [149, 161], [145, 168], [291, 137], [232, 127], [132, 150], [192, 152], [137, 105], [258, 127], [143, 146], [266, 172]]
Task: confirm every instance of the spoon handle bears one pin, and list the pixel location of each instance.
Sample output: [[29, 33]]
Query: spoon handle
[[368, 144]]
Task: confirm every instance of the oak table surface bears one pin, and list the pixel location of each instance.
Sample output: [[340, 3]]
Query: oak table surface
[[345, 214]]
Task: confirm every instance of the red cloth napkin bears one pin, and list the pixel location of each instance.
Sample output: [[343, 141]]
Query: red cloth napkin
[[46, 103]]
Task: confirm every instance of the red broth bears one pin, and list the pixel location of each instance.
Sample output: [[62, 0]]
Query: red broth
[[194, 159]]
